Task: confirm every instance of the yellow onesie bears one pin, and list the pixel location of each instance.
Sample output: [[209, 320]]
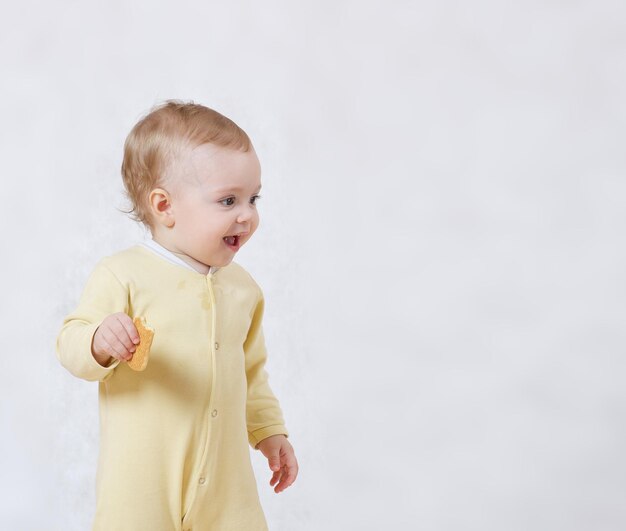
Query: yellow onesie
[[174, 439]]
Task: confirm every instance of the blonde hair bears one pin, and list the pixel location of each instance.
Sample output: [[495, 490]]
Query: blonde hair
[[158, 138]]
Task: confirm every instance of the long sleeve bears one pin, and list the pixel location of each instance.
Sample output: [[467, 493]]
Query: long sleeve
[[263, 413], [103, 295]]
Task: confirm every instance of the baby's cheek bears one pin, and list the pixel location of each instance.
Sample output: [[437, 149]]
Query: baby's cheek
[[254, 224]]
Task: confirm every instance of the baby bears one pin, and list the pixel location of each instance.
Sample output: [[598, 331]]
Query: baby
[[174, 438]]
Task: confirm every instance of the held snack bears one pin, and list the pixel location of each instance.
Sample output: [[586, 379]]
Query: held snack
[[139, 360]]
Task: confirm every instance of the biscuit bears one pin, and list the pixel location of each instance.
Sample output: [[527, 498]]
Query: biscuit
[[139, 361]]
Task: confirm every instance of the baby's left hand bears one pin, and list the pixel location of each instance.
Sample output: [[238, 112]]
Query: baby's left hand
[[281, 459]]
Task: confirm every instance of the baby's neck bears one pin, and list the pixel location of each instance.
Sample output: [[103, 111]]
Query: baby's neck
[[198, 266]]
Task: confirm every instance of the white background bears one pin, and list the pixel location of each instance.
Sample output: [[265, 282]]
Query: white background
[[441, 246]]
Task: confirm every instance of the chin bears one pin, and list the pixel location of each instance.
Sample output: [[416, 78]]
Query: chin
[[224, 263]]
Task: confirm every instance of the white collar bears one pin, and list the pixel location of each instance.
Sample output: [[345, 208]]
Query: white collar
[[170, 256]]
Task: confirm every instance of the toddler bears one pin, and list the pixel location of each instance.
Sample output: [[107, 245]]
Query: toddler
[[174, 437]]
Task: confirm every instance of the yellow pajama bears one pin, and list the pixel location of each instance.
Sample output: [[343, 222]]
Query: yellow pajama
[[175, 439]]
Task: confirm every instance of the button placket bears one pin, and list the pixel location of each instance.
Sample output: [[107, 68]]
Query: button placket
[[202, 480]]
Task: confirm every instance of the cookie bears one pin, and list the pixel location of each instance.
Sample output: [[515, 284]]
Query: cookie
[[139, 361]]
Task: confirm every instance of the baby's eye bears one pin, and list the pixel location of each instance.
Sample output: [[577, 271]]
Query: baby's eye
[[230, 201]]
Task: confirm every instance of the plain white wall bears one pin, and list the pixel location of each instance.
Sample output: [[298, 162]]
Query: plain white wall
[[441, 246]]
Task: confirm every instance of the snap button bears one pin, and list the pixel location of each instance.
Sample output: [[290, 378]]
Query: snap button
[[217, 345], [214, 413], [202, 481]]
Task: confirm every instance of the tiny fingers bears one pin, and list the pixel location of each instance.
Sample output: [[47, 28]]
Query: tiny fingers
[[126, 332], [113, 349], [129, 328], [117, 347], [287, 477]]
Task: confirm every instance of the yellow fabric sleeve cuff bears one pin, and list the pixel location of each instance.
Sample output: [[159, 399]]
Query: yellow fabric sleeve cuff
[[257, 436], [84, 365]]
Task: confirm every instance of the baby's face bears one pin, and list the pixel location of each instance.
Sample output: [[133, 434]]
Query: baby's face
[[213, 205]]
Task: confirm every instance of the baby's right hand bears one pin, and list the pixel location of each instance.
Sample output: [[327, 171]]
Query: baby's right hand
[[116, 337]]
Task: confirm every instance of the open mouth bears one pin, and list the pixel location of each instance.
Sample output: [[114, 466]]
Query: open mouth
[[232, 241]]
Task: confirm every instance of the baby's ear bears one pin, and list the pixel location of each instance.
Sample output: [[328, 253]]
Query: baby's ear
[[161, 207]]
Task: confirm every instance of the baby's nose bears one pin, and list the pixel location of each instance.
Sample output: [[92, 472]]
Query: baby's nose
[[245, 215]]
